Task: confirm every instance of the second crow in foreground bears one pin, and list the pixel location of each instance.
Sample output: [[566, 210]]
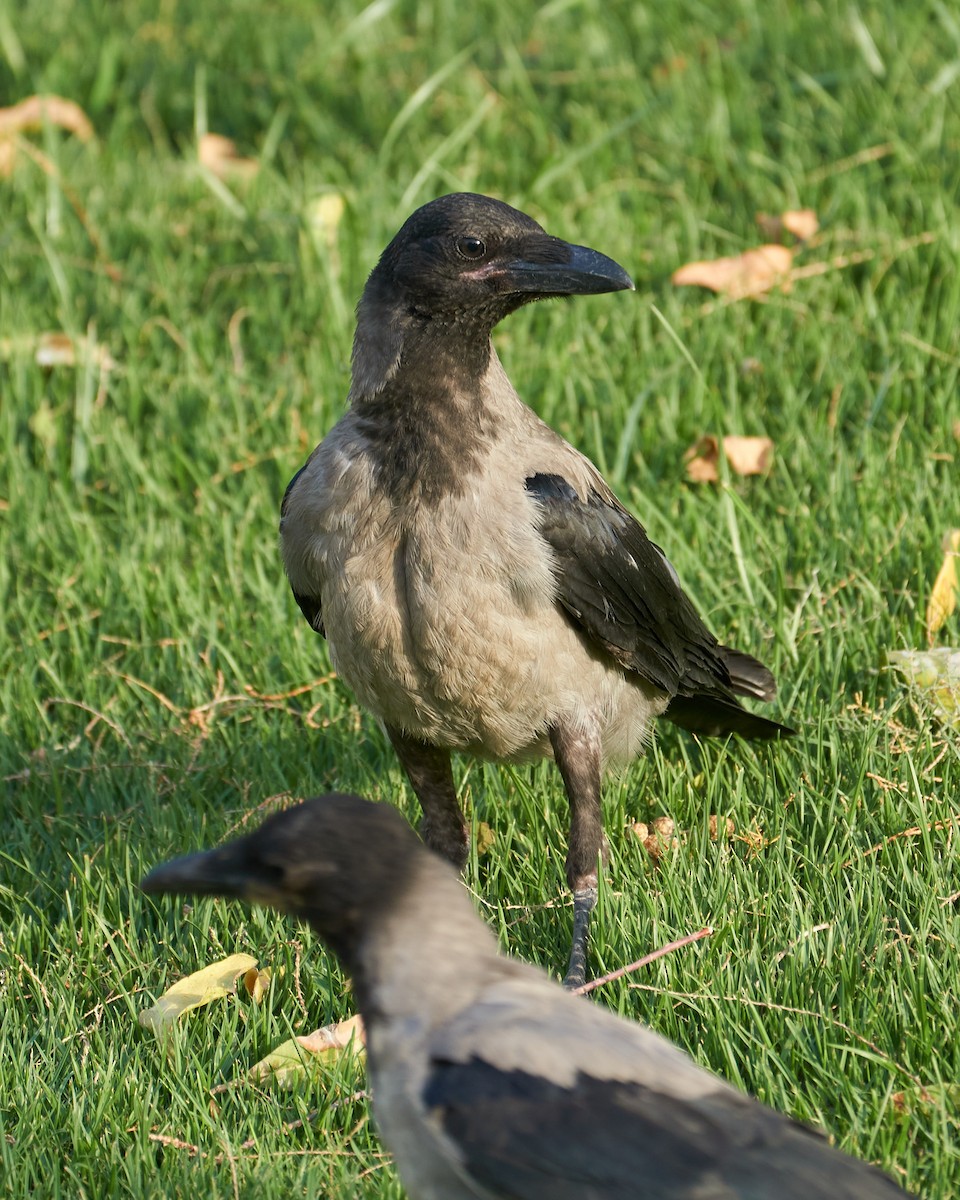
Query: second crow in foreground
[[489, 1081], [480, 586]]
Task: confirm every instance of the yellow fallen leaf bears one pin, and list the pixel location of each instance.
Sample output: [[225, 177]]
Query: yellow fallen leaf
[[745, 456], [291, 1059], [219, 155], [943, 597], [749, 274], [935, 674], [485, 837], [202, 987], [324, 214], [256, 982]]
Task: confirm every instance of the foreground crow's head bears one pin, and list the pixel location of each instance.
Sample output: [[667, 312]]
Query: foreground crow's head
[[337, 861], [466, 255]]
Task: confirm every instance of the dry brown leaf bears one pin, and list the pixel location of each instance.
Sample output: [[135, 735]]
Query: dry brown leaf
[[745, 456], [675, 65], [56, 349], [801, 222], [749, 274], [943, 597], [756, 840], [336, 1037], [219, 155], [703, 459], [202, 987], [61, 350], [30, 115], [728, 827], [770, 226], [36, 111], [945, 1095], [283, 1065], [748, 455], [661, 838]]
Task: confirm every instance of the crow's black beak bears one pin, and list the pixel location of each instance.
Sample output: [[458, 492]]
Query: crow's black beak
[[207, 873], [550, 267]]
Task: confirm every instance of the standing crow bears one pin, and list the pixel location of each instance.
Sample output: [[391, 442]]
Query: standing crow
[[489, 1081], [481, 587]]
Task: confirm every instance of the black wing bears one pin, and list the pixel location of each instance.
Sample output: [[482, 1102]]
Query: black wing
[[624, 594], [525, 1138], [309, 605]]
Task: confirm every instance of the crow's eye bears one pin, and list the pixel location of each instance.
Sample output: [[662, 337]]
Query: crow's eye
[[471, 247]]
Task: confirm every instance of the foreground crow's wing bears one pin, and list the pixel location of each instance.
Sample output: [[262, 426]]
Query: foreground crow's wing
[[524, 1137]]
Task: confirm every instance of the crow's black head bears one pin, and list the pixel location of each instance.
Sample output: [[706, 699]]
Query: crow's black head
[[336, 861], [470, 256]]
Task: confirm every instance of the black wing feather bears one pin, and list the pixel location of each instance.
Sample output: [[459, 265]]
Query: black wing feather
[[624, 594], [526, 1138], [309, 605]]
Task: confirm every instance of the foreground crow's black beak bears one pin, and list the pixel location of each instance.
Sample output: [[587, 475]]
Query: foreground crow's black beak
[[206, 873]]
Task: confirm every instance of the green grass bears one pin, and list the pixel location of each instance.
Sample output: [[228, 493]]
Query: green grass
[[143, 596]]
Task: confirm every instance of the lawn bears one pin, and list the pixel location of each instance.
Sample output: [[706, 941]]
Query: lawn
[[159, 689]]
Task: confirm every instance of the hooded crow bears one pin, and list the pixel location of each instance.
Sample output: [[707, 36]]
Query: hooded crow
[[479, 585], [489, 1081]]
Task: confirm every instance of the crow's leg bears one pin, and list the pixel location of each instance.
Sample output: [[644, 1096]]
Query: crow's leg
[[443, 827], [577, 752]]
